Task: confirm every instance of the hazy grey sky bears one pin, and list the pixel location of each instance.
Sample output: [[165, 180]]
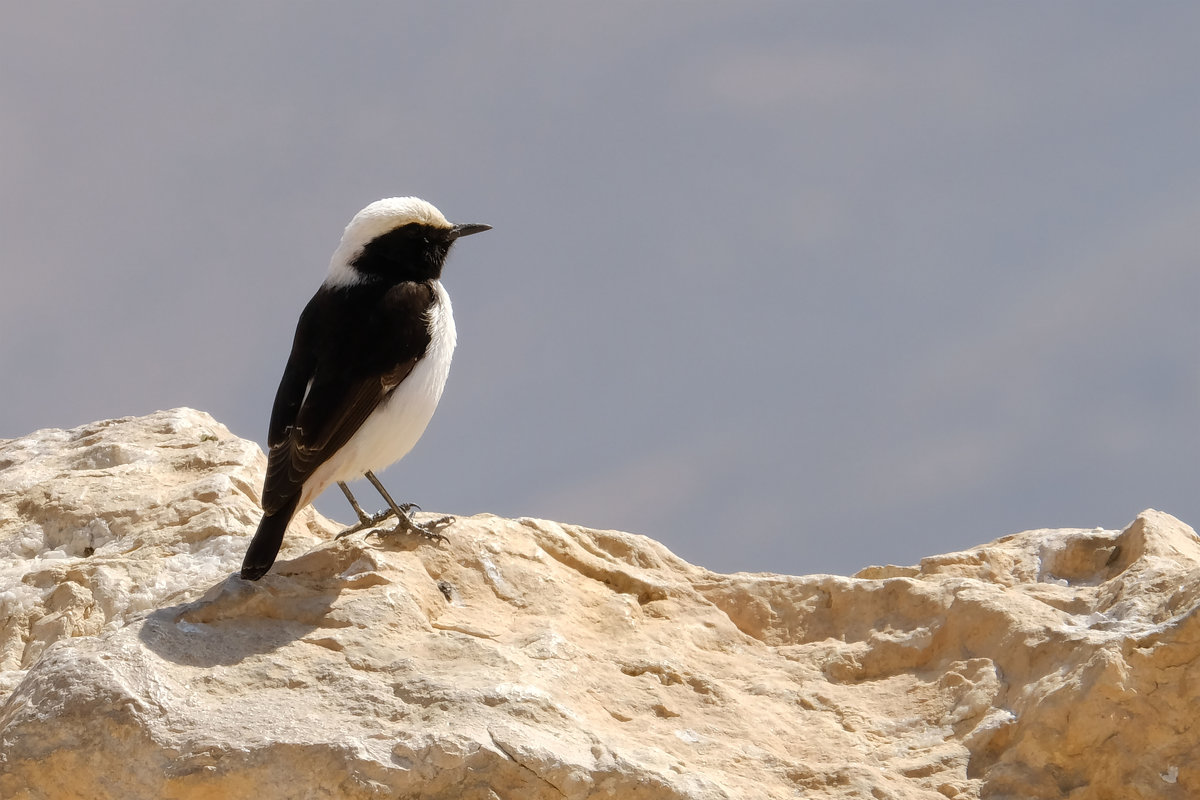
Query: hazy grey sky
[[794, 287]]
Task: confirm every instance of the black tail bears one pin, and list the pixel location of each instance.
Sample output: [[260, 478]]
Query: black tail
[[267, 540]]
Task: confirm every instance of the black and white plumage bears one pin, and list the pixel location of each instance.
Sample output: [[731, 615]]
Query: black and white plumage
[[369, 360]]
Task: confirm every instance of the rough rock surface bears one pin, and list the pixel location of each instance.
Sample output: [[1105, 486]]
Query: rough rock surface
[[529, 659]]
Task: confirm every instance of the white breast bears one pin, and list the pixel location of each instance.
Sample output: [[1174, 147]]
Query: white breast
[[396, 425]]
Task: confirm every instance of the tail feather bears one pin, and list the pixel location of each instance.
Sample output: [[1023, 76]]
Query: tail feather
[[267, 540]]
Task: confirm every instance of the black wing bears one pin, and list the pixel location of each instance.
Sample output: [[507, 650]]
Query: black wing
[[353, 347]]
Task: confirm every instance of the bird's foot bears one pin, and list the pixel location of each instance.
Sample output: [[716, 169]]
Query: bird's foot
[[401, 511], [431, 529], [367, 521]]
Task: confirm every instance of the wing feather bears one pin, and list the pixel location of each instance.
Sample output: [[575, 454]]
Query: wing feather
[[347, 357]]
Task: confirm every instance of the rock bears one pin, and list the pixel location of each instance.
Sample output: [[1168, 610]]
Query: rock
[[531, 659]]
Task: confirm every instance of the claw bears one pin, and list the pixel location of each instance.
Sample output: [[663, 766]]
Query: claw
[[367, 522], [430, 530]]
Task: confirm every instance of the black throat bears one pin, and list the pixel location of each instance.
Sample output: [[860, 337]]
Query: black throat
[[412, 252]]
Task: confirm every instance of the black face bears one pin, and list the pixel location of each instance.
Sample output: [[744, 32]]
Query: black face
[[412, 252]]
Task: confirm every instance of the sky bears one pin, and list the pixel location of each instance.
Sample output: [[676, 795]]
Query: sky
[[788, 286]]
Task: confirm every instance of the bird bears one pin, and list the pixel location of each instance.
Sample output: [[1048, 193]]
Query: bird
[[368, 364]]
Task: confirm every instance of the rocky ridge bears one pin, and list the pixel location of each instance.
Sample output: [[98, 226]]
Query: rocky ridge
[[532, 659]]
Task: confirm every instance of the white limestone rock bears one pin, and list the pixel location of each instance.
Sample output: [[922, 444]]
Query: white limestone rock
[[530, 659]]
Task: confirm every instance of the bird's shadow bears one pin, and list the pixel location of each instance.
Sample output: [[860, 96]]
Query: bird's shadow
[[236, 618]]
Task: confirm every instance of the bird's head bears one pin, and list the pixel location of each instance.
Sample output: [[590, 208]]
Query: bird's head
[[400, 238]]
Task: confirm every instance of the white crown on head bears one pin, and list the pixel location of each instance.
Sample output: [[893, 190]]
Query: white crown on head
[[371, 223]]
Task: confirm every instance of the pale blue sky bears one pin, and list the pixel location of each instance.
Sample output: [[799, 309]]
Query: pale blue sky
[[793, 287]]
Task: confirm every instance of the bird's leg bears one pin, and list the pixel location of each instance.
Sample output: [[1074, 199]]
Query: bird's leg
[[362, 515], [404, 521], [364, 520]]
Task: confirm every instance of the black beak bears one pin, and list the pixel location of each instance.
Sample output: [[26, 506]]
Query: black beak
[[467, 229]]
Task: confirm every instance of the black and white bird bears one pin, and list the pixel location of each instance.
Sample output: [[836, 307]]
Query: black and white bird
[[368, 363]]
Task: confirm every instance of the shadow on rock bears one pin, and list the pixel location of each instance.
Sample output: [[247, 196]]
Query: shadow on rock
[[236, 618]]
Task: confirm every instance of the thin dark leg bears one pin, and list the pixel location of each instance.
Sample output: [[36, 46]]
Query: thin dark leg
[[401, 511], [362, 515], [364, 520]]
